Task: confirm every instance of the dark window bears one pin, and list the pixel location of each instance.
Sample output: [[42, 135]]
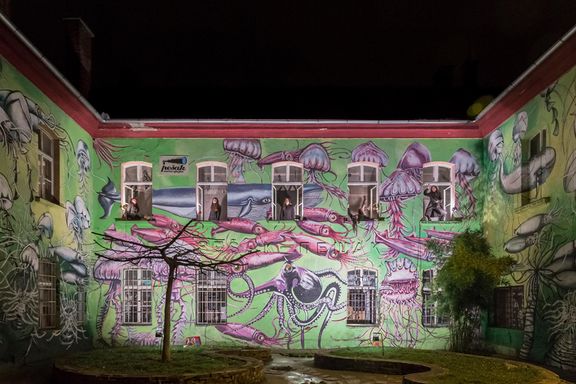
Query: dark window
[[530, 149], [48, 294], [211, 298], [362, 296], [507, 308], [48, 167]]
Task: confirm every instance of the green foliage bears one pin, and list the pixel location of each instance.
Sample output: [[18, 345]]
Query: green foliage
[[467, 279]]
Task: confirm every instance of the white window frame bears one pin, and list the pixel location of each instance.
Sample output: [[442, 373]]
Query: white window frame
[[45, 158], [529, 197], [362, 182], [211, 298], [298, 184], [369, 292], [449, 208], [139, 176], [48, 303], [200, 185], [137, 310], [430, 316]]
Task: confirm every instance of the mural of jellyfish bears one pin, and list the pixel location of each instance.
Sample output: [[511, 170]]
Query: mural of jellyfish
[[83, 161], [495, 145], [6, 197], [370, 152], [570, 173], [403, 184], [241, 152], [77, 219], [518, 132], [106, 151], [316, 161], [561, 316], [398, 291], [467, 169]]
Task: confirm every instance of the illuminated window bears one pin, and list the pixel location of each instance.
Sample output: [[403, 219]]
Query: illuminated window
[[363, 186], [48, 294], [439, 191], [287, 190], [531, 149], [507, 307], [430, 313], [211, 298], [137, 184], [362, 296], [48, 169], [137, 296], [211, 184]]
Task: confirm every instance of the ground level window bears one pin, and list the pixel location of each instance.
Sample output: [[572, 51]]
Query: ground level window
[[362, 296], [48, 294], [211, 298], [507, 310], [137, 296], [430, 314]]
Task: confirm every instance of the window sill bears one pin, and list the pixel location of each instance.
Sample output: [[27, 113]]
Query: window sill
[[453, 221], [533, 204], [137, 324], [362, 325], [50, 200]]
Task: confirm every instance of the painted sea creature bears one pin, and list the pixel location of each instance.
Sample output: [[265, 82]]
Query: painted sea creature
[[83, 161], [250, 201], [403, 245], [323, 215], [106, 151], [321, 248], [247, 333], [46, 225], [570, 173], [77, 219], [6, 197], [240, 225], [319, 229], [467, 169], [518, 132], [495, 145], [528, 176], [241, 152], [370, 152], [274, 238]]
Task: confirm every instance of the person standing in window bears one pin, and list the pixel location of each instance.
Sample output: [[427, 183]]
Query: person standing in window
[[133, 210], [434, 207], [215, 210], [287, 210]]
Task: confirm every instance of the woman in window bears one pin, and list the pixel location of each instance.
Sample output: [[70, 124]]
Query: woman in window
[[133, 210], [434, 207], [215, 210], [287, 210]]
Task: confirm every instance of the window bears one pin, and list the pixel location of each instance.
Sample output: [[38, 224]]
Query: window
[[48, 169], [430, 315], [362, 296], [507, 308], [48, 294], [363, 187], [287, 190], [137, 183], [211, 184], [137, 296], [439, 192], [530, 149], [211, 298]]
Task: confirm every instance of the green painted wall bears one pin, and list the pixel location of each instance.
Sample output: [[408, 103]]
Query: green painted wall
[[540, 232]]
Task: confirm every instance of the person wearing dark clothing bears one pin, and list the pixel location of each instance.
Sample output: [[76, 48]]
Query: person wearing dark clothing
[[354, 219], [215, 210], [287, 210], [133, 211], [434, 207]]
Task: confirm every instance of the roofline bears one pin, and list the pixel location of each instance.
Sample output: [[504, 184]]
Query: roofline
[[33, 65]]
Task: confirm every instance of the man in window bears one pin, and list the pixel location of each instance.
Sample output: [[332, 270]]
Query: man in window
[[434, 207]]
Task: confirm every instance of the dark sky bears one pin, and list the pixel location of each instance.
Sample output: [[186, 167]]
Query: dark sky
[[332, 60]]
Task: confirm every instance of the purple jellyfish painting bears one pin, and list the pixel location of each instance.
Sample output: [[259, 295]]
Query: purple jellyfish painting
[[240, 152], [518, 132], [404, 183], [315, 160], [370, 152], [467, 169]]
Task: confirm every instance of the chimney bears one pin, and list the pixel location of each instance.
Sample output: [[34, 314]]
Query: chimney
[[79, 39]]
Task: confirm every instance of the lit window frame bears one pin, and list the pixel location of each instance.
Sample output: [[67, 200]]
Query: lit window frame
[[54, 164], [124, 183], [298, 184], [534, 195], [211, 291], [137, 309], [370, 298], [451, 184], [363, 183], [202, 184]]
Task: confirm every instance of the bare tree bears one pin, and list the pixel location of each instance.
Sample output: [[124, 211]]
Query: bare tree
[[175, 249]]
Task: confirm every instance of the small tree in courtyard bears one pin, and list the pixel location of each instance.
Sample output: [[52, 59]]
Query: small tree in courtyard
[[168, 252], [468, 275]]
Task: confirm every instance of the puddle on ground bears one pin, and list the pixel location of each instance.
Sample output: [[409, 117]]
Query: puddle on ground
[[301, 370]]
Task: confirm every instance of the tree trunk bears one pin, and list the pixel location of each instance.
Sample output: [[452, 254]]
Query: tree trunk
[[167, 313]]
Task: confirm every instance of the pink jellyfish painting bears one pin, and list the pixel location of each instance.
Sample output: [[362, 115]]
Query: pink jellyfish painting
[[467, 169], [241, 152], [403, 184], [370, 152], [316, 161]]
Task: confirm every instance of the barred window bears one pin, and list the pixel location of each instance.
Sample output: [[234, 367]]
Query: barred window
[[137, 296], [430, 313], [507, 308], [362, 296], [211, 298], [48, 294]]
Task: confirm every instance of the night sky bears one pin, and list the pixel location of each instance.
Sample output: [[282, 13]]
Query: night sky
[[300, 60]]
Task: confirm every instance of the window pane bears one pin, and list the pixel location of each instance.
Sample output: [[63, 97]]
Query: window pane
[[369, 174], [295, 174], [47, 145], [428, 175], [443, 174], [146, 174], [47, 171], [354, 174], [131, 174], [220, 174], [280, 174]]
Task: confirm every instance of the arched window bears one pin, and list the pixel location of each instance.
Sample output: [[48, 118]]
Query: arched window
[[211, 184], [287, 190], [439, 193], [137, 183], [363, 188]]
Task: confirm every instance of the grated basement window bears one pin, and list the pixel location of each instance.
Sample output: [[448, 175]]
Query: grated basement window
[[211, 298], [137, 296], [362, 296]]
